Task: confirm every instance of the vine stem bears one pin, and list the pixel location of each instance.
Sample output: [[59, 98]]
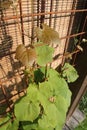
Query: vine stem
[[46, 71]]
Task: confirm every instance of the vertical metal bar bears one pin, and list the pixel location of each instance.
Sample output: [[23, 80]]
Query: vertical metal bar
[[56, 7], [42, 11], [51, 7], [6, 98], [85, 21], [82, 22], [69, 29], [32, 21], [21, 18], [38, 10], [4, 31]]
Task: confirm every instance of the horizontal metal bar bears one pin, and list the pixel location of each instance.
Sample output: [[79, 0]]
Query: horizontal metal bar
[[35, 19], [46, 13], [73, 35]]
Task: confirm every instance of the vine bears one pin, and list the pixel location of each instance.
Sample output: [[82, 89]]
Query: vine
[[45, 104]]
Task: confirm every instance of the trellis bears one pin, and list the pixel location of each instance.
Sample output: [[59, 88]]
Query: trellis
[[67, 17]]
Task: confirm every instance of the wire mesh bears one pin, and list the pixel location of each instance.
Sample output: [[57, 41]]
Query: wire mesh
[[65, 16]]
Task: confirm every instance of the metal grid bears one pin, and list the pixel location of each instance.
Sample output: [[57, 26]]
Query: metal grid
[[65, 16]]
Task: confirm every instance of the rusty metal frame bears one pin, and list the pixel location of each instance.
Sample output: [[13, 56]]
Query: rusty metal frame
[[46, 13]]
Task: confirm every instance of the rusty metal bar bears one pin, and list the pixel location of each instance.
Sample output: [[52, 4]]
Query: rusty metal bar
[[12, 96], [22, 27], [5, 95], [38, 7], [80, 37], [69, 29], [51, 7], [81, 33], [46, 13], [42, 11]]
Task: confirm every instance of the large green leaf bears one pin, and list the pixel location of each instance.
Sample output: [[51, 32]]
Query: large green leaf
[[55, 86], [32, 92], [69, 72], [44, 123], [44, 54], [52, 114], [29, 112], [43, 103], [30, 108], [55, 91]]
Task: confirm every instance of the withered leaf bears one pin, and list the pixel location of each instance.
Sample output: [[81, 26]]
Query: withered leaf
[[68, 55], [47, 35], [26, 56], [5, 4]]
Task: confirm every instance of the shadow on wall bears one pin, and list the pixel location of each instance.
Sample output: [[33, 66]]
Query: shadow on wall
[[10, 94]]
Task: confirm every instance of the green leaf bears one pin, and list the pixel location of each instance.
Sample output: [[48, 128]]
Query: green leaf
[[82, 125], [42, 105], [59, 127], [38, 76], [69, 72], [44, 54], [4, 120], [55, 86], [13, 126], [29, 126], [55, 91], [44, 123], [32, 93], [29, 109], [52, 114], [4, 127]]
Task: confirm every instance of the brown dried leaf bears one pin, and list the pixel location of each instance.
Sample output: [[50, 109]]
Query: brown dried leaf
[[31, 56], [19, 51], [5, 4], [68, 55], [47, 35], [26, 56]]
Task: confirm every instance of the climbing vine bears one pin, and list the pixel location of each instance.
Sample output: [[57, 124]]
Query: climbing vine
[[47, 98], [45, 104]]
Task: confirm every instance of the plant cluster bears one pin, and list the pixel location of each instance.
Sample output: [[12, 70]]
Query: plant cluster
[[45, 104], [83, 104]]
